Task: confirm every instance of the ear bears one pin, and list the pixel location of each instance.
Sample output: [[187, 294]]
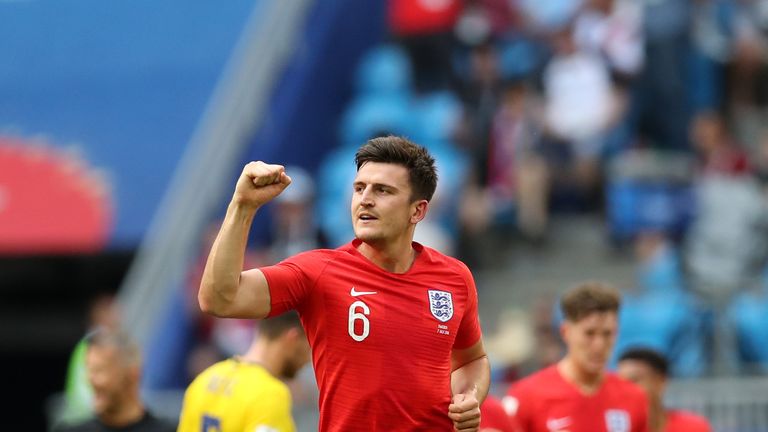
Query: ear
[[564, 327], [662, 384], [134, 373], [419, 211], [292, 335]]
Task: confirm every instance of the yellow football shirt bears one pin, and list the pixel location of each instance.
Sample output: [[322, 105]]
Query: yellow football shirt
[[236, 396]]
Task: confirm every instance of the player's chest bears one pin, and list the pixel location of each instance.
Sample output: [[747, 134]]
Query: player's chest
[[584, 415], [409, 312]]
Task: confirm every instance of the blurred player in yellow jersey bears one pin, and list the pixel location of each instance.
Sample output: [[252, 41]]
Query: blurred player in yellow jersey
[[247, 394]]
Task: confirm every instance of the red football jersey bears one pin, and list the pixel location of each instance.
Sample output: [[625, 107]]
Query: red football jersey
[[683, 421], [546, 402], [381, 342], [493, 418]]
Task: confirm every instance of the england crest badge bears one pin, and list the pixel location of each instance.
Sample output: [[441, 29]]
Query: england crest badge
[[440, 304], [617, 421]]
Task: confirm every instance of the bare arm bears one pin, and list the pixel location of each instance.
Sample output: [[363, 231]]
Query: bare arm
[[226, 290], [470, 380], [470, 370]]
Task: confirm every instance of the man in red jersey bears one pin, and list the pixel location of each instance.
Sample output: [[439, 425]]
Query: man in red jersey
[[393, 325], [577, 394], [648, 369], [494, 419]]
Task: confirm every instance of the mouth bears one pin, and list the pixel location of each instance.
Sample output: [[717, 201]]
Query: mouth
[[366, 217]]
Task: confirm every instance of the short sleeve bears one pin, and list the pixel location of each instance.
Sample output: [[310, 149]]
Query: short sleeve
[[291, 280], [469, 329]]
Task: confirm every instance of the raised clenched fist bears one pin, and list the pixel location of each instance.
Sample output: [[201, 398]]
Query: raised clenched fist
[[259, 183]]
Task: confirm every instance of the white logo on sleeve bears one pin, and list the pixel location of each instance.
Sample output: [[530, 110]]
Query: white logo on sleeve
[[617, 421], [263, 428], [558, 424], [355, 293], [510, 405]]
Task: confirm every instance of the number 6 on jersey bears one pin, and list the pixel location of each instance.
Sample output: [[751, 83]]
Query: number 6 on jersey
[[357, 316]]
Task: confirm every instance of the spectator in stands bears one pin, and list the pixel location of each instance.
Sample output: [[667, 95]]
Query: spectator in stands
[[648, 369], [518, 175], [760, 160], [581, 106], [113, 362], [719, 152], [613, 29], [425, 30], [246, 393], [664, 81]]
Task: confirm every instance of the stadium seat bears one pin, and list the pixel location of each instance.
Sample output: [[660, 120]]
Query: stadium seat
[[384, 70], [670, 322], [662, 272], [372, 115], [439, 113], [748, 313], [637, 205]]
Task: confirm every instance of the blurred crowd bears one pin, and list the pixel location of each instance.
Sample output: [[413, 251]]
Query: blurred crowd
[[649, 114]]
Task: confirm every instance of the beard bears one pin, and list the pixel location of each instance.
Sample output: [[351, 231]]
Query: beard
[[290, 370]]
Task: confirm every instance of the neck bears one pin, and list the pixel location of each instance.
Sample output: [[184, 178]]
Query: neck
[[395, 257], [657, 416], [131, 411], [267, 354], [587, 383]]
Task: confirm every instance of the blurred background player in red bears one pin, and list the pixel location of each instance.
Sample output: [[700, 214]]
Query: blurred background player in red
[[393, 325], [494, 418], [648, 369], [577, 394]]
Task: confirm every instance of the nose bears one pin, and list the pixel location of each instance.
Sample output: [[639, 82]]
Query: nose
[[366, 197]]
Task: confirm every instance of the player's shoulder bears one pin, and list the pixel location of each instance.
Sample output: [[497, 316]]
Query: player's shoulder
[[201, 380], [620, 388], [623, 386], [317, 254], [217, 367], [537, 382], [688, 421], [435, 258]]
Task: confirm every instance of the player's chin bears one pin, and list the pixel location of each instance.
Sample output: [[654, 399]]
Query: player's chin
[[596, 365], [367, 234], [99, 405]]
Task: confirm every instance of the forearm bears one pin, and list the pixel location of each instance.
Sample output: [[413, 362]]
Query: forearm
[[221, 277], [475, 374]]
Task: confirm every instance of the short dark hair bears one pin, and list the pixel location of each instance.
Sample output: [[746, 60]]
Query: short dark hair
[[273, 327], [587, 298], [102, 337], [654, 359], [401, 151]]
